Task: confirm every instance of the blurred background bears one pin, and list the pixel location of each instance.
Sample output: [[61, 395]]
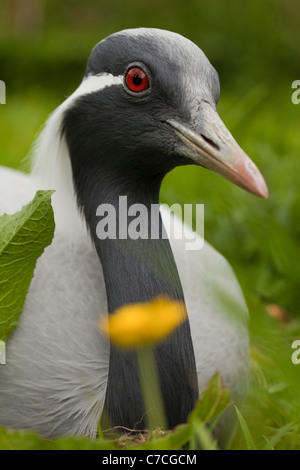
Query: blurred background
[[255, 47]]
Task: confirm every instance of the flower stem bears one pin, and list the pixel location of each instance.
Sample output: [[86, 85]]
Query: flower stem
[[155, 414]]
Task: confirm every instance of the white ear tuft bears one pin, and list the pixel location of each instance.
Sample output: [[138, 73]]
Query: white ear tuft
[[51, 165]]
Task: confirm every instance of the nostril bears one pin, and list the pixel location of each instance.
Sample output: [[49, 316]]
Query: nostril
[[210, 142]]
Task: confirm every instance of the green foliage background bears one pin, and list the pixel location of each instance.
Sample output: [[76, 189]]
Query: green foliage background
[[254, 45]]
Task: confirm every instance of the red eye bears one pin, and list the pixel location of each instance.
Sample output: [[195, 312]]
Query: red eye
[[137, 80]]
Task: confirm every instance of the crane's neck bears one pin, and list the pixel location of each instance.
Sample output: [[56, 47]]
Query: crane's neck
[[138, 270], [135, 252]]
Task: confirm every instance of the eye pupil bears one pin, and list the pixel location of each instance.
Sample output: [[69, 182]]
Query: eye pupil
[[137, 80]]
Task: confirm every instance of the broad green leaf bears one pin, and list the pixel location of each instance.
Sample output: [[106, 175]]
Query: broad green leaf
[[23, 238]]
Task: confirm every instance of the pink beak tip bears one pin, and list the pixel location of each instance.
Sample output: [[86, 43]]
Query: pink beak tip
[[261, 187], [265, 193]]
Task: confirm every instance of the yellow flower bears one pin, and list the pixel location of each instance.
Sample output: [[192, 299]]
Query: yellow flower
[[143, 323]]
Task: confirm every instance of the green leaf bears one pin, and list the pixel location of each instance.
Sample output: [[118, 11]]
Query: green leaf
[[201, 437], [246, 430], [211, 405], [213, 401], [23, 238]]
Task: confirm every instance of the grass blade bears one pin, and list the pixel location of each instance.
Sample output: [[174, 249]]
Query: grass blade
[[246, 430]]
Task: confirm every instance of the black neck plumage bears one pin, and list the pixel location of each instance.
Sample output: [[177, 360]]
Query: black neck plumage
[[138, 270]]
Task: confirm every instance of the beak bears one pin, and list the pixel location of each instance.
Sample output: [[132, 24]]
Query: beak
[[212, 146]]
